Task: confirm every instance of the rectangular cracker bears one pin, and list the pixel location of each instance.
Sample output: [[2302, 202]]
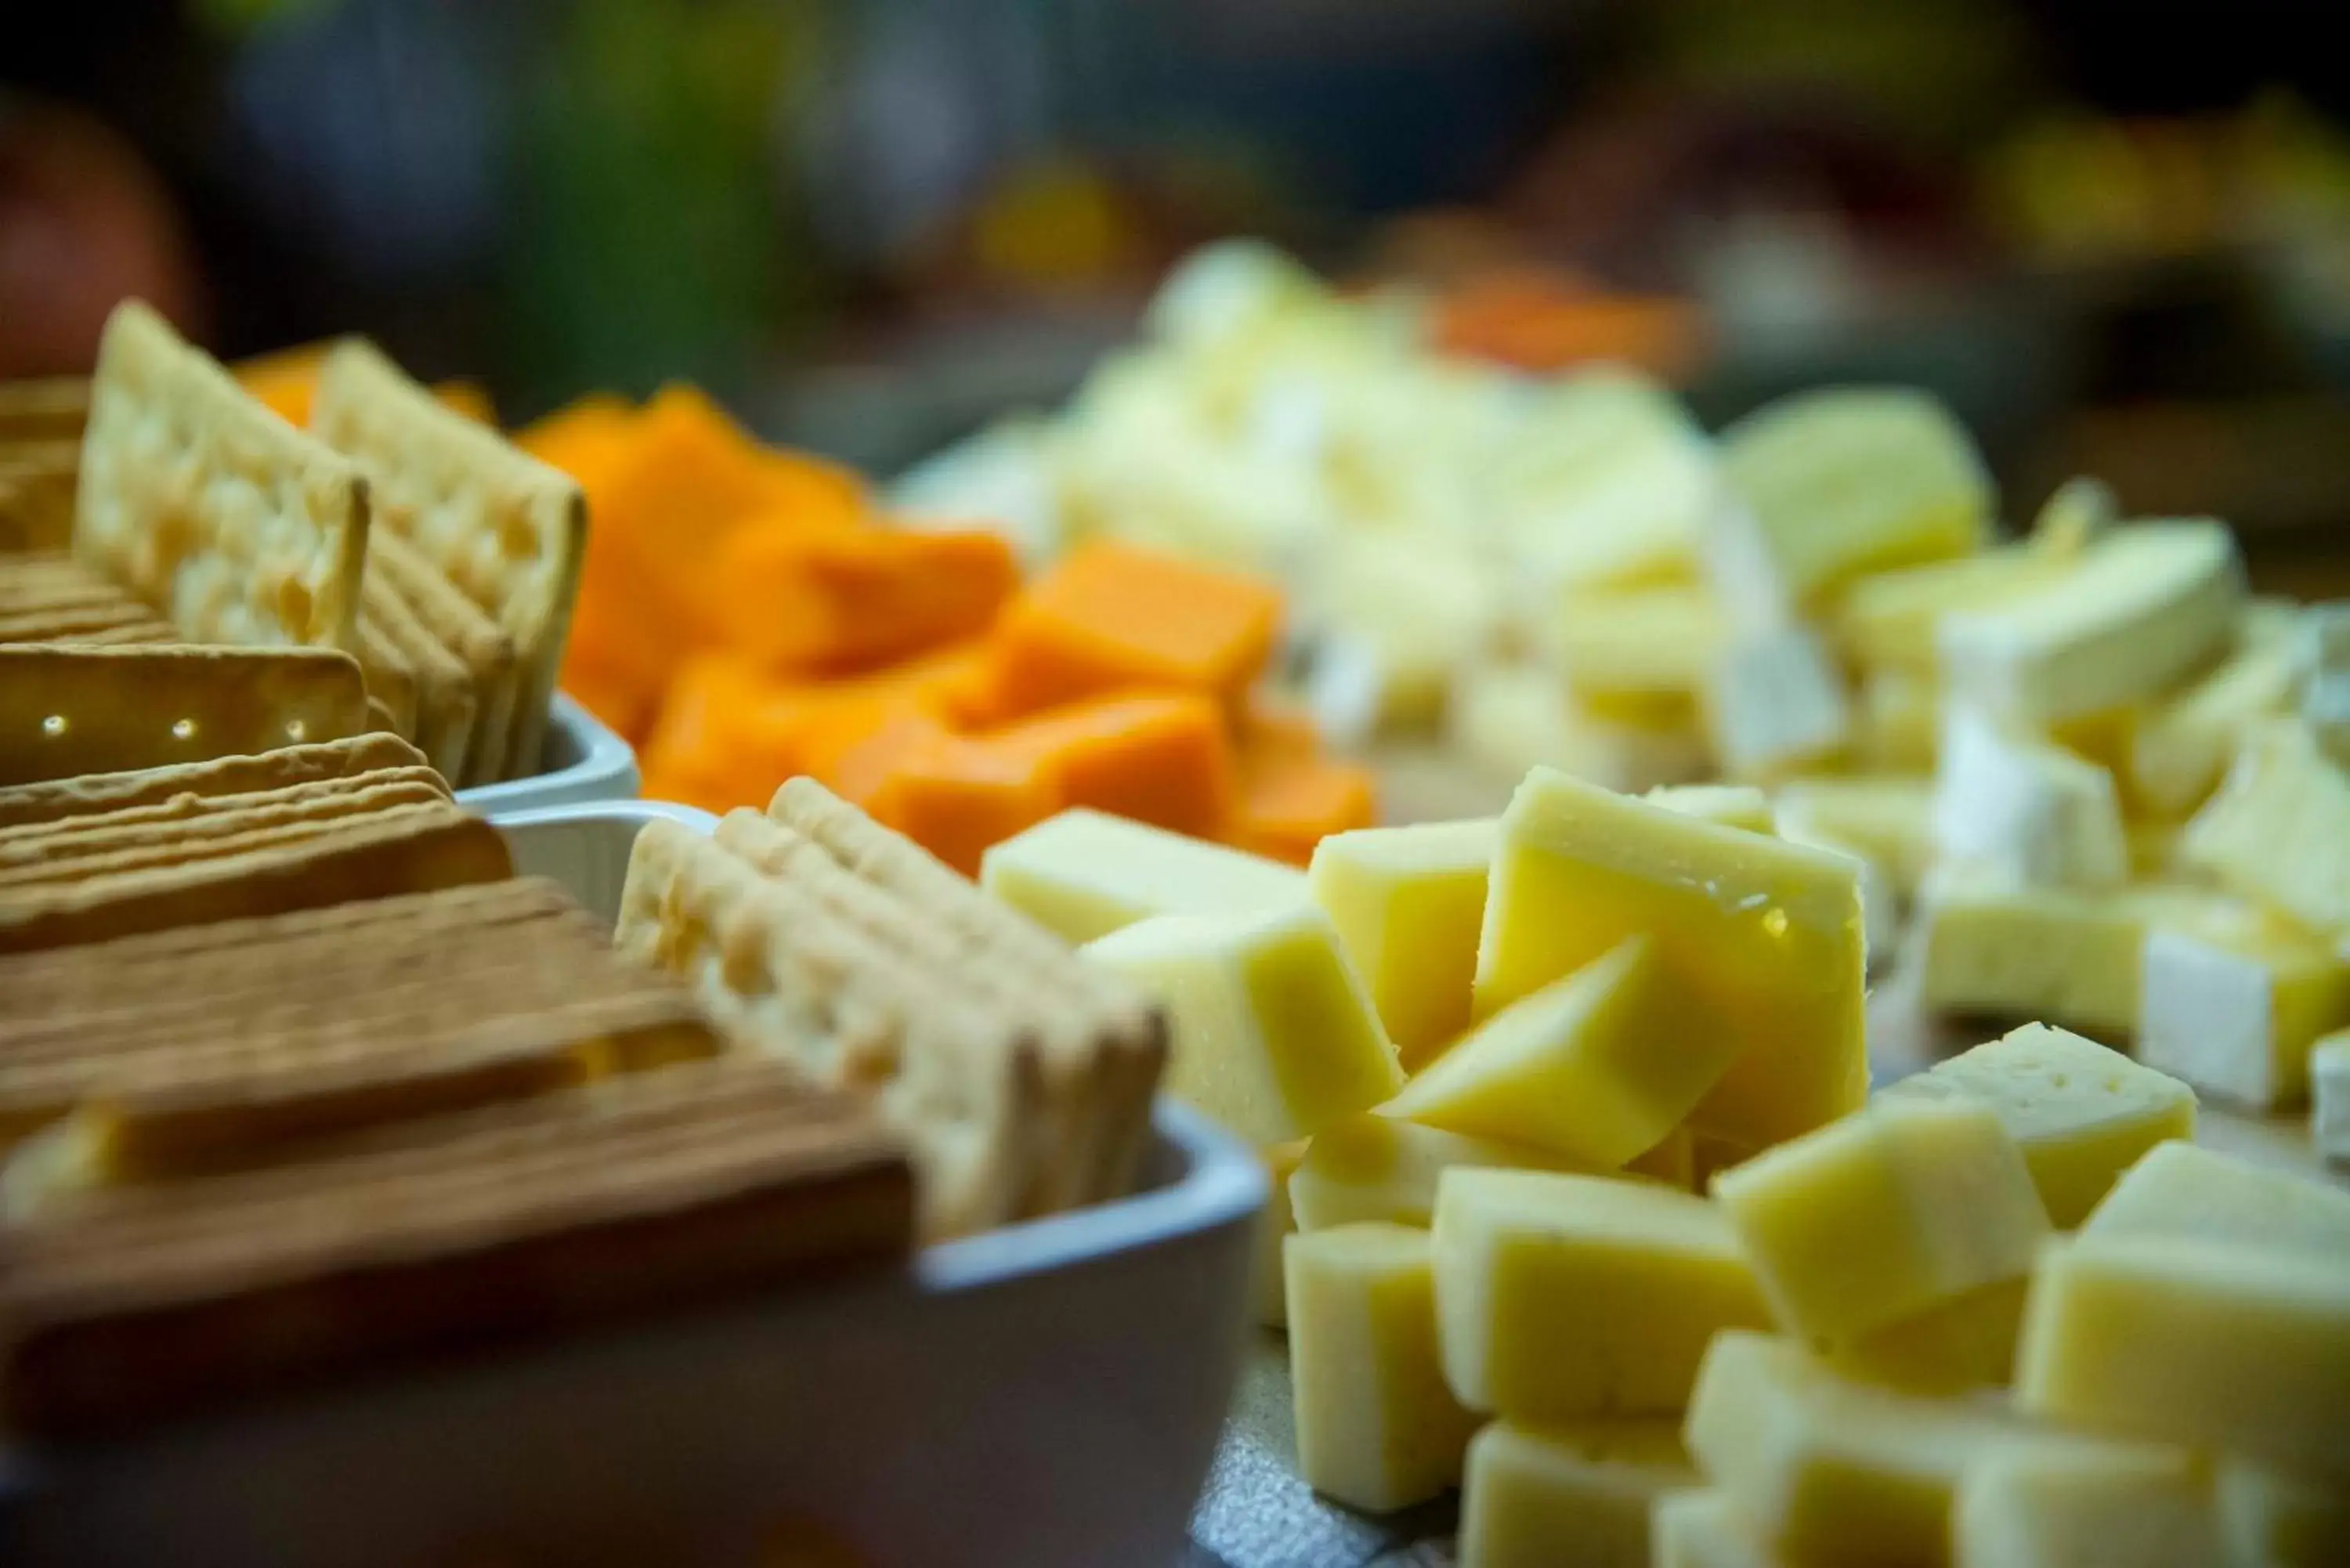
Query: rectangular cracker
[[783, 976], [66, 710], [508, 530], [467, 640], [1105, 1075], [52, 408], [409, 850], [191, 819], [389, 676], [238, 527], [530, 1218], [446, 702], [36, 494], [103, 621], [89, 794]]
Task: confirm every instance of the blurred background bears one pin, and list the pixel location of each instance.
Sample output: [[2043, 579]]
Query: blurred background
[[2115, 238]]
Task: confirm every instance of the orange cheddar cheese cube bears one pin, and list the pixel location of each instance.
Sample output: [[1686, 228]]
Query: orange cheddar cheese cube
[[841, 599], [1163, 760], [957, 797], [1288, 803], [1111, 617]]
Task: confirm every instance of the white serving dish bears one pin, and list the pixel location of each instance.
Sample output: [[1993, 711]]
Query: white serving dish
[[583, 761], [1046, 1395]]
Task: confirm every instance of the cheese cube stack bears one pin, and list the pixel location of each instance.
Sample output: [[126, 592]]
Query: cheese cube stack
[[2081, 1114], [1885, 1215], [1376, 1427], [1272, 1033], [1761, 941]]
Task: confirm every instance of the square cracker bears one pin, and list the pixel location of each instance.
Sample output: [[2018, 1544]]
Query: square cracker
[[506, 528], [67, 710], [785, 976], [478, 702], [239, 527], [51, 408]]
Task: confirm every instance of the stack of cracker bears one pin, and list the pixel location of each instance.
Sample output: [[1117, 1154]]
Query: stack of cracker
[[1020, 1077], [263, 1149], [91, 857], [49, 597], [441, 557]]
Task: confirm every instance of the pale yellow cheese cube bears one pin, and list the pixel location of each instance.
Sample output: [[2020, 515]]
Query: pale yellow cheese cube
[[1885, 1214], [1843, 1473], [2235, 1011], [1637, 656], [2082, 1113], [2278, 831], [1376, 1427], [2210, 1344], [1889, 817], [2329, 1097], [2026, 810], [2185, 1190], [2144, 607], [1408, 903], [1703, 1529], [2179, 746], [1897, 720], [1732, 805], [1562, 1297], [1889, 619], [1375, 1167], [1991, 949], [1509, 718], [2271, 1518], [1596, 1067], [1838, 483], [1272, 1033], [2093, 1505], [1267, 1298], [1761, 941], [1967, 1342], [1084, 874], [1774, 704], [1537, 1496]]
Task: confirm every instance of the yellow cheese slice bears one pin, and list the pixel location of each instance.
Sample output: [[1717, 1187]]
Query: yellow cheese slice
[[1884, 1215], [1703, 1529], [1084, 874], [2187, 1192], [1376, 1427], [1374, 1167], [1595, 1067], [2144, 1504], [1762, 940], [1274, 1035], [2279, 828], [1562, 1297], [2209, 1344], [1408, 903], [1835, 484], [2082, 1113], [2146, 606], [1537, 1496]]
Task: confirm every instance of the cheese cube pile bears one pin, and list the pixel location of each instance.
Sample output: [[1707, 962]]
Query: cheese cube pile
[[1629, 1255]]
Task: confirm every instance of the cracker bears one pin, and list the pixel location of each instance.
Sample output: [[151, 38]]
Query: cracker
[[307, 867], [389, 676], [103, 620], [786, 977], [66, 710], [468, 641], [446, 702], [192, 817], [1119, 1059], [529, 1218], [53, 408], [36, 494], [91, 794], [507, 529], [240, 528]]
